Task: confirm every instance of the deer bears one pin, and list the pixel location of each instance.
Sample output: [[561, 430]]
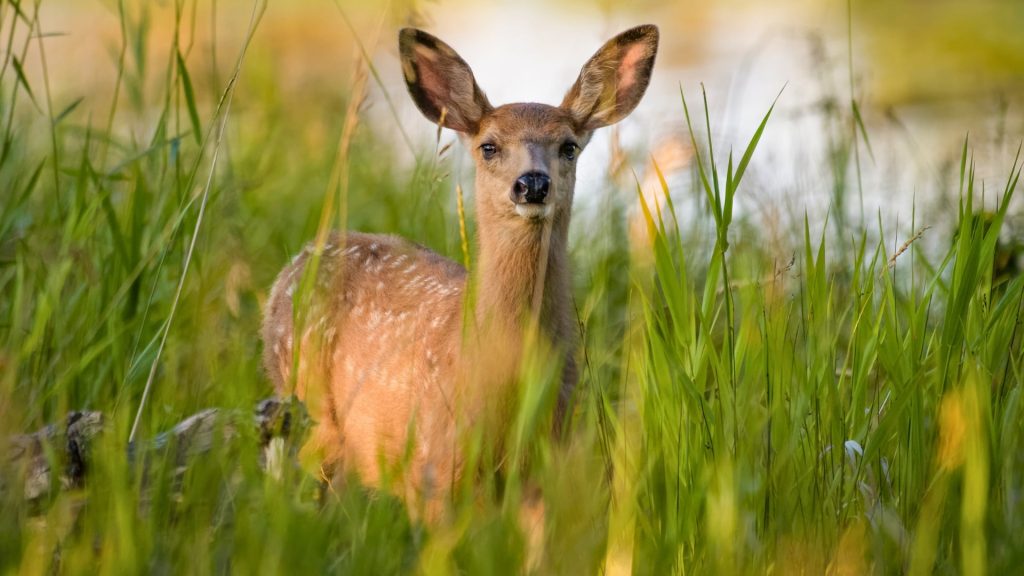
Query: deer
[[400, 349]]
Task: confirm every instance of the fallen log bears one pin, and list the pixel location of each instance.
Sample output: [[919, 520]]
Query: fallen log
[[56, 457]]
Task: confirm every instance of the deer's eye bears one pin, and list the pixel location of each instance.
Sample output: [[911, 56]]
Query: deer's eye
[[568, 150], [488, 150]]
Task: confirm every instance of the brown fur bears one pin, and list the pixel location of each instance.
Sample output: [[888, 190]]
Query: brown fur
[[383, 351]]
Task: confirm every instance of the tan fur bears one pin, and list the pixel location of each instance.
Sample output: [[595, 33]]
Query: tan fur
[[384, 351]]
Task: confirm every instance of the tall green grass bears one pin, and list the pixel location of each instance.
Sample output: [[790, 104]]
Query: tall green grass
[[738, 411]]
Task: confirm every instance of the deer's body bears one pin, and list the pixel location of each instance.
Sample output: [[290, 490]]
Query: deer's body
[[382, 337], [398, 363]]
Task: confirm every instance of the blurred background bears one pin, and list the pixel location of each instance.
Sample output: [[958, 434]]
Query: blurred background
[[923, 75]]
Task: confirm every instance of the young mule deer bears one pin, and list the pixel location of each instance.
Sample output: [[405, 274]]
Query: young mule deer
[[389, 354]]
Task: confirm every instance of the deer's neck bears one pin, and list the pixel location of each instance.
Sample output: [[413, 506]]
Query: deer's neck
[[524, 274]]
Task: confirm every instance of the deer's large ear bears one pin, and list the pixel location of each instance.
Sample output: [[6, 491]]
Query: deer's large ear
[[613, 81], [440, 82]]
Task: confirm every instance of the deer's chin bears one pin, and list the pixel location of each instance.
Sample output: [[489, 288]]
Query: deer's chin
[[534, 211]]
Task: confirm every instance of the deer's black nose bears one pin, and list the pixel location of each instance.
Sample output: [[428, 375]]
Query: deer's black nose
[[531, 188]]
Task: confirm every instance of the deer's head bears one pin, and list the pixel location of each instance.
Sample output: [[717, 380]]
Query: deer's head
[[526, 154]]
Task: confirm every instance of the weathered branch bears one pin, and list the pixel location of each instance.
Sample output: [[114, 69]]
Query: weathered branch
[[66, 446]]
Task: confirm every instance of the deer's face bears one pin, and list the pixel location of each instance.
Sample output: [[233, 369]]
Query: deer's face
[[525, 158], [526, 153]]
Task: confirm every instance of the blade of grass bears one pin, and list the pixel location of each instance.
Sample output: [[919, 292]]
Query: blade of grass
[[190, 99], [259, 7]]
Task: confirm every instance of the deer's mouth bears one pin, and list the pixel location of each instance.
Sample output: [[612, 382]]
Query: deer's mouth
[[534, 210]]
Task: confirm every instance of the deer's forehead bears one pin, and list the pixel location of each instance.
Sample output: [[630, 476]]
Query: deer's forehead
[[528, 122]]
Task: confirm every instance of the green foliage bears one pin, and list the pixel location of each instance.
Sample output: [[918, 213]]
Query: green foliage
[[857, 409]]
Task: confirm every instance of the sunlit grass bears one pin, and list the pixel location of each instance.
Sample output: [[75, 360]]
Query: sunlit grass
[[839, 409]]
